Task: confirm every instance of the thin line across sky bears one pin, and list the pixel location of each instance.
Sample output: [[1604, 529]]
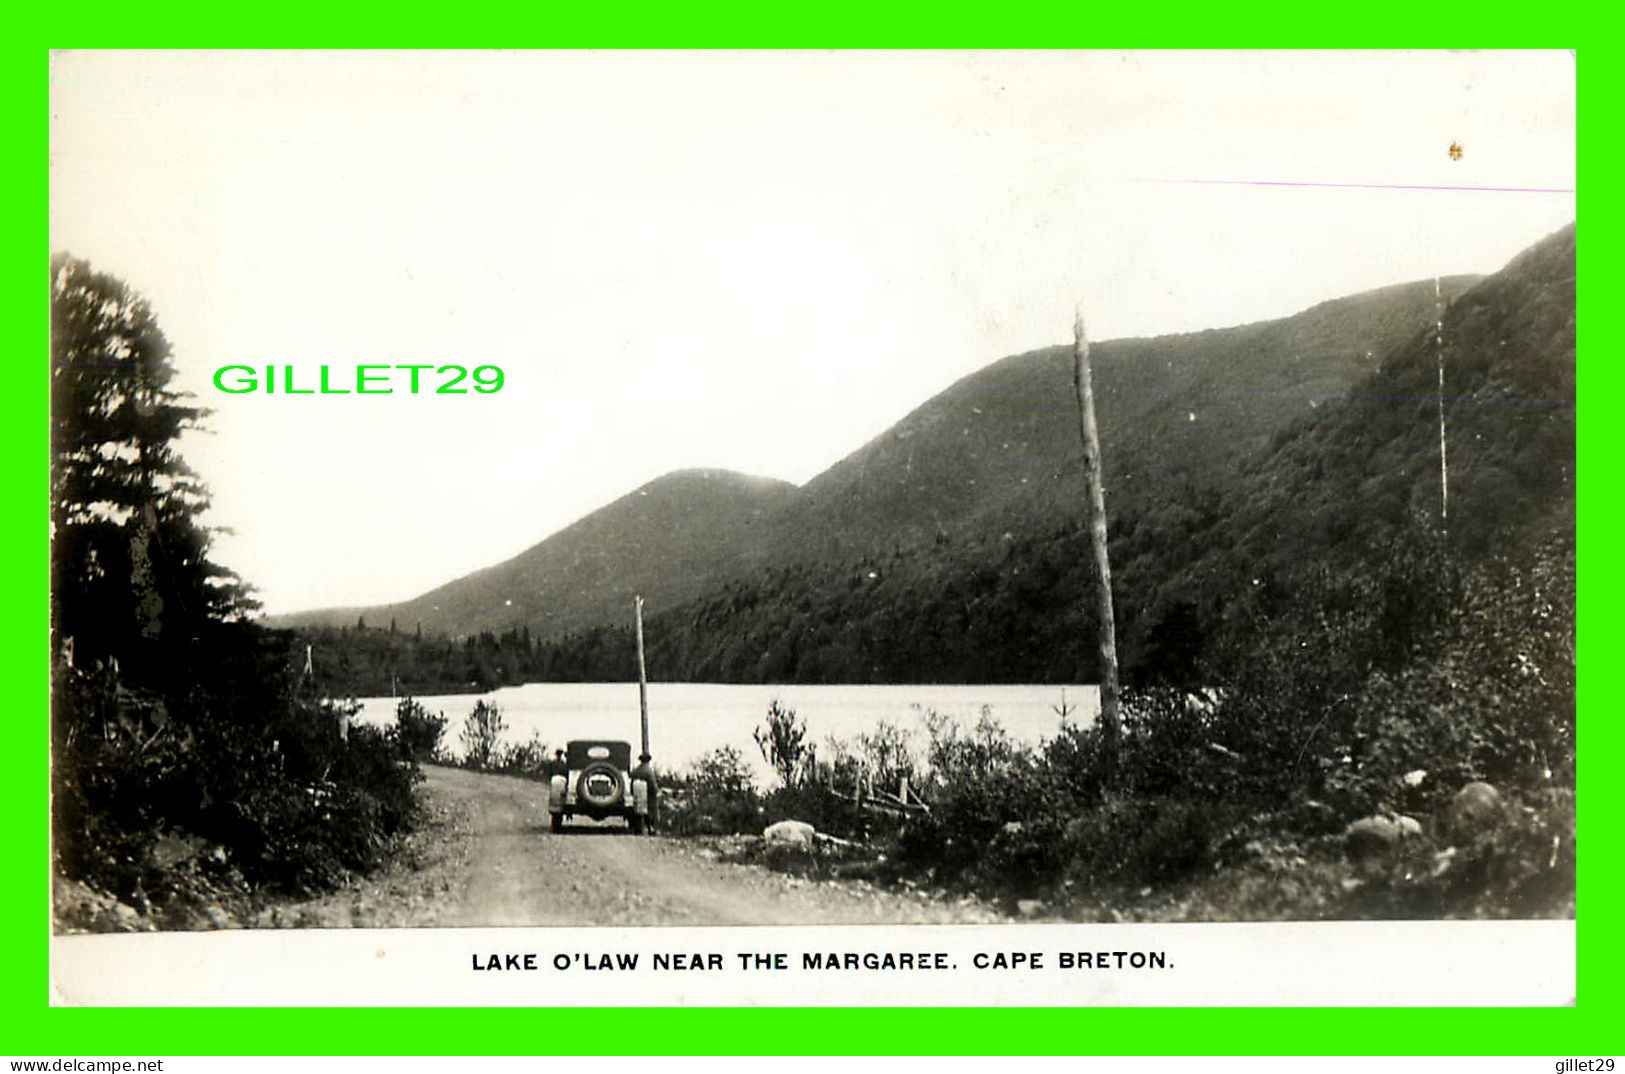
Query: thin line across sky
[[1370, 186]]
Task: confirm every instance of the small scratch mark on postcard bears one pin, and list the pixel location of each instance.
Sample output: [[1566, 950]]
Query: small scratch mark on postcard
[[1371, 186]]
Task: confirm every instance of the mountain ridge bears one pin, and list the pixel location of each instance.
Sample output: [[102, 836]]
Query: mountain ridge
[[1335, 525], [995, 451], [579, 571]]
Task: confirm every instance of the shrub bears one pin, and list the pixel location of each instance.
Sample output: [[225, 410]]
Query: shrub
[[1076, 760], [886, 756], [993, 824], [838, 766], [716, 797], [952, 753], [120, 770], [259, 783], [530, 758], [482, 735], [335, 809], [1005, 819], [1130, 841], [1164, 745], [418, 732], [783, 743]]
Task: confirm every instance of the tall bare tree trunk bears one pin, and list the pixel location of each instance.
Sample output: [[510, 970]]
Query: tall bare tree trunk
[[1083, 382], [1444, 462], [643, 680]]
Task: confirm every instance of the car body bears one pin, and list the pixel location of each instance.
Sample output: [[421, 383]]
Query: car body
[[599, 781]]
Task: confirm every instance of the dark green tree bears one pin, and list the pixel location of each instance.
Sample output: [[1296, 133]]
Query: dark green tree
[[1173, 648], [131, 573]]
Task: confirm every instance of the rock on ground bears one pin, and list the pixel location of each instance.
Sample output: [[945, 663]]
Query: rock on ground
[[1375, 840], [1475, 811], [798, 832]]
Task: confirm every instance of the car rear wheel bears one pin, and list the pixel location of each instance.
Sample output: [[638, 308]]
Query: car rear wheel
[[557, 822], [600, 785], [635, 823]]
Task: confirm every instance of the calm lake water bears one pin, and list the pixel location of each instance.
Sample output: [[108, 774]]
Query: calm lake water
[[688, 720]]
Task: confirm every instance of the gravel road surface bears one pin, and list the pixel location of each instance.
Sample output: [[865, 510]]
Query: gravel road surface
[[488, 859]]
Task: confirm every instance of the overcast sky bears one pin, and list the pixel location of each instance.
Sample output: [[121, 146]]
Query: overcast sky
[[752, 261]]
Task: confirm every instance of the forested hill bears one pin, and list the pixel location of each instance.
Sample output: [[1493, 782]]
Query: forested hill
[[1349, 480], [661, 540], [1347, 494], [1000, 450], [994, 454]]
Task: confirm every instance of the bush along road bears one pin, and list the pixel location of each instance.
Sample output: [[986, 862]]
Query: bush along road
[[485, 857]]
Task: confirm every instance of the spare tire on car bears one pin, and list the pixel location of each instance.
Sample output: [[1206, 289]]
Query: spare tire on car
[[601, 785]]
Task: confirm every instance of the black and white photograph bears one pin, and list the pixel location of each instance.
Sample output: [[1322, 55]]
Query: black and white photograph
[[811, 489]]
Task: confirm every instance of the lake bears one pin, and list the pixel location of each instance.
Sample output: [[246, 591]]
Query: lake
[[689, 720]]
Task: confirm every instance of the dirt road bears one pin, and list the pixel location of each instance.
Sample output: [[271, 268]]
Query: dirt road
[[488, 858]]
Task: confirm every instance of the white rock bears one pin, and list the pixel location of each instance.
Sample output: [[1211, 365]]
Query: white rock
[[1475, 811], [794, 832], [1375, 840]]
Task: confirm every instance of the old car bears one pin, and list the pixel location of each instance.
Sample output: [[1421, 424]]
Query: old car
[[599, 781]]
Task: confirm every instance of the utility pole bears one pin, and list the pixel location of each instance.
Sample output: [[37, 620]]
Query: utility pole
[[643, 680], [1083, 382], [1444, 464]]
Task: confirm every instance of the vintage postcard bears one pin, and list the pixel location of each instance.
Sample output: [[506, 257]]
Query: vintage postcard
[[813, 527]]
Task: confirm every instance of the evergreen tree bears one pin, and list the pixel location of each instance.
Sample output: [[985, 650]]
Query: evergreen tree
[[131, 573]]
